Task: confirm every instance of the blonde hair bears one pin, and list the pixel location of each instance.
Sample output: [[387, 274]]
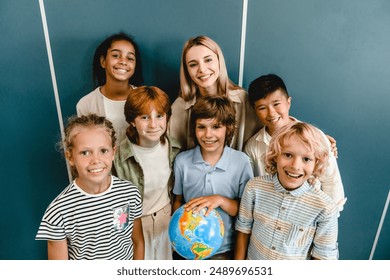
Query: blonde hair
[[311, 137], [188, 88]]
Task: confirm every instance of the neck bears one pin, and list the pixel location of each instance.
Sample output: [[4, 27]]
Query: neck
[[116, 91]]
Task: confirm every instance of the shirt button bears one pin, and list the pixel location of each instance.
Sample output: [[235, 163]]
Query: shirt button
[[283, 208], [278, 228], [273, 248]]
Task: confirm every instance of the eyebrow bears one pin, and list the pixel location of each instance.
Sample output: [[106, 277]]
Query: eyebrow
[[207, 56], [117, 50]]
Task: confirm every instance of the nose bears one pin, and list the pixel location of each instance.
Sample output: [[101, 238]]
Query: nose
[[271, 111], [208, 133], [152, 122], [123, 61], [296, 163], [202, 67]]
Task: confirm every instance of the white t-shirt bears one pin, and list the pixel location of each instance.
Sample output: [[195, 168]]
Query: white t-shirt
[[115, 112], [155, 166]]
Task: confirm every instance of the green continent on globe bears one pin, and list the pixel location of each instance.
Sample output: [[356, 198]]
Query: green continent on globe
[[200, 250], [188, 222]]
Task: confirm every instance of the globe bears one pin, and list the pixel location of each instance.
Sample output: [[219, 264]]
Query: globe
[[196, 236]]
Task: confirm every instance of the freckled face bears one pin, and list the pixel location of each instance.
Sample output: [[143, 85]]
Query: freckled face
[[150, 128], [295, 164]]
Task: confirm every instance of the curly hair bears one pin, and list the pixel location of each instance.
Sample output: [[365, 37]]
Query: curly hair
[[310, 136]]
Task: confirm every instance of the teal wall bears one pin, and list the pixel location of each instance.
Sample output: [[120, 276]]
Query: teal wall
[[333, 55]]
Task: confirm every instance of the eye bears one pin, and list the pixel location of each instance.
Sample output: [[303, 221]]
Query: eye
[[104, 151], [307, 159], [208, 59], [287, 155], [217, 126], [191, 65], [160, 116], [200, 126], [144, 117], [84, 153], [130, 58]]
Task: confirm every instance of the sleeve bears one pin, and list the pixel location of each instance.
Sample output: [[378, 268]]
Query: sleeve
[[331, 182], [246, 174], [248, 150], [178, 184], [325, 240], [51, 229], [178, 123], [244, 219]]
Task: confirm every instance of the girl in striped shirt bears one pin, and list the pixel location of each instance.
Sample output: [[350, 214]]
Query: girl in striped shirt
[[98, 215]]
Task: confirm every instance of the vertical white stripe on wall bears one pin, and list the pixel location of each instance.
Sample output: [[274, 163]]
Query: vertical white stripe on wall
[[378, 232], [243, 38], [53, 76]]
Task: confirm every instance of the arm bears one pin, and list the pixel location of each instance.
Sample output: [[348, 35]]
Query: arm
[[57, 250], [228, 205], [241, 247], [325, 237], [138, 240], [177, 202]]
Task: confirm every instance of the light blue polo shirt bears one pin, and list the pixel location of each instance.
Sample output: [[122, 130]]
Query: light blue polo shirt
[[194, 178]]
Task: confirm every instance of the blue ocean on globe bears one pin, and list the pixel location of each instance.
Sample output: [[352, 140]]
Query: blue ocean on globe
[[196, 236]]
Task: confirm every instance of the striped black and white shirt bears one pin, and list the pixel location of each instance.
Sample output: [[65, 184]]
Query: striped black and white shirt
[[95, 226]]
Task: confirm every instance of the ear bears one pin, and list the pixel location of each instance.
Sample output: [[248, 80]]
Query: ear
[[289, 102], [103, 62], [69, 157], [113, 152]]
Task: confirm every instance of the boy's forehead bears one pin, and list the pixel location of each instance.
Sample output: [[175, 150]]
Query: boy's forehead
[[276, 95]]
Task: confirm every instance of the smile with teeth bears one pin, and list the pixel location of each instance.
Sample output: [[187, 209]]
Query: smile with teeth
[[121, 70], [273, 120], [97, 170], [205, 77], [294, 176]]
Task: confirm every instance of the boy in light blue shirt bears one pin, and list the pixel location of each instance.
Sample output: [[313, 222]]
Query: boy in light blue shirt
[[212, 175]]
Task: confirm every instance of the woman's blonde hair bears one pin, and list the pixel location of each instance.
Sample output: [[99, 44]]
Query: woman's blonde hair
[[188, 88], [311, 137]]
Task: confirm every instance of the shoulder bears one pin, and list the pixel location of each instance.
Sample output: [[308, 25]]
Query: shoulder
[[261, 182], [237, 93], [236, 155], [321, 199], [185, 155], [90, 98], [122, 183]]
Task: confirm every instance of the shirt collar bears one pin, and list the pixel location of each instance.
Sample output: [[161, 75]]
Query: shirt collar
[[297, 192], [126, 150], [222, 162]]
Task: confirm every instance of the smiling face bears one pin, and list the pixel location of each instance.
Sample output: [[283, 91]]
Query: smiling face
[[273, 110], [120, 61], [203, 68], [210, 135], [295, 164], [92, 155], [150, 127]]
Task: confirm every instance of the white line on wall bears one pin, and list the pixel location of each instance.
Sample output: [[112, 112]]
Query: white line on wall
[[243, 38], [53, 76]]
